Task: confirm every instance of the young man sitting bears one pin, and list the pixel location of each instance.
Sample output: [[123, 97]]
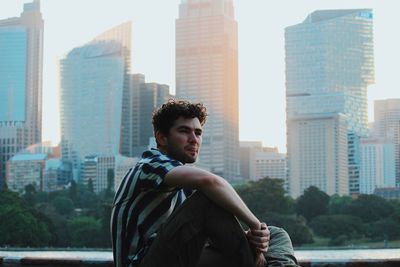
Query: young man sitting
[[167, 213]]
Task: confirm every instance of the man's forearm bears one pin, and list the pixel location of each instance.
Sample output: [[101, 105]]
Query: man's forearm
[[223, 194], [215, 188]]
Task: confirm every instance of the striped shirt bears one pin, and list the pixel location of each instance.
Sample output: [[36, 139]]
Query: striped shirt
[[141, 204]]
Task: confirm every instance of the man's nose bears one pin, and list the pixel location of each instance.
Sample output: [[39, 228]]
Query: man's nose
[[193, 138]]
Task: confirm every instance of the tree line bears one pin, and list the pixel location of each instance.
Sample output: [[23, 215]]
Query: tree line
[[74, 217], [77, 217], [316, 214]]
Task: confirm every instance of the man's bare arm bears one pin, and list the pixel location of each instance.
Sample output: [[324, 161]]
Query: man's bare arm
[[215, 188]]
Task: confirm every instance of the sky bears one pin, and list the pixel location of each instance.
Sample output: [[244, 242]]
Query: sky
[[261, 24]]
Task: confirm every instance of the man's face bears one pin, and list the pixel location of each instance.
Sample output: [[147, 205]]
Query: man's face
[[184, 140]]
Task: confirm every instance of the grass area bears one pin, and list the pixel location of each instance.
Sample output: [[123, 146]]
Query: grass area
[[323, 243]]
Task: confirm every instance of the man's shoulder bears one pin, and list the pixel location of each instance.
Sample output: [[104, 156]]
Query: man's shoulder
[[156, 158]]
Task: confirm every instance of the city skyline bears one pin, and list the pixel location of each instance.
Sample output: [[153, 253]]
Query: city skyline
[[329, 66], [261, 51]]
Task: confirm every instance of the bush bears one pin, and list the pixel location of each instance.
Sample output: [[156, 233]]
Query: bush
[[333, 226], [338, 241]]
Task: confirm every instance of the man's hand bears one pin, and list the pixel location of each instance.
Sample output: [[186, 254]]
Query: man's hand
[[259, 238]]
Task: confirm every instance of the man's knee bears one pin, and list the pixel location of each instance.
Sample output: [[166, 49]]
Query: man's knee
[[280, 251], [280, 238]]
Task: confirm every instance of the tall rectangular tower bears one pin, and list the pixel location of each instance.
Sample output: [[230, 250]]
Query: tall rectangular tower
[[329, 65], [207, 71], [93, 85], [21, 57], [387, 125]]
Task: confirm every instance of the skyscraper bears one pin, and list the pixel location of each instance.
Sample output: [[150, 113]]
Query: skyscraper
[[387, 125], [94, 79], [377, 164], [329, 65], [21, 57], [145, 98], [207, 71], [151, 96]]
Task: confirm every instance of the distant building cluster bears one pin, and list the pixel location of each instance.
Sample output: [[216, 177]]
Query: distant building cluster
[[258, 162], [106, 110], [329, 66]]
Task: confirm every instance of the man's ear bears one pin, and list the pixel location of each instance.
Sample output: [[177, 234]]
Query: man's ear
[[161, 139]]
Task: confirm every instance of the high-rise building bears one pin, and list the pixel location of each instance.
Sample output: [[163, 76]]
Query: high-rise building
[[247, 149], [21, 57], [329, 65], [387, 125], [146, 97], [151, 96], [94, 86], [354, 162], [207, 72], [99, 171], [377, 164], [132, 117], [258, 162]]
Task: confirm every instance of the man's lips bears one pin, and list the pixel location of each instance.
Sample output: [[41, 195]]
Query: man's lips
[[192, 149]]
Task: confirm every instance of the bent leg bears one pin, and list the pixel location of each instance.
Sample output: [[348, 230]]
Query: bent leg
[[211, 257], [280, 251], [181, 240]]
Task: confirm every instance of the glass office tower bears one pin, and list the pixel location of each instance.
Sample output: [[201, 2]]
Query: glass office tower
[[93, 82], [329, 65], [21, 57]]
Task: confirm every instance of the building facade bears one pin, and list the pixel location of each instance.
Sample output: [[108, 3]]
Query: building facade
[[105, 172], [26, 169], [329, 65], [377, 165], [387, 125], [39, 165], [258, 162], [94, 83], [207, 72], [147, 97], [21, 57], [99, 172]]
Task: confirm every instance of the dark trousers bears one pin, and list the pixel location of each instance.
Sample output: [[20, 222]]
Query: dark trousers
[[200, 233]]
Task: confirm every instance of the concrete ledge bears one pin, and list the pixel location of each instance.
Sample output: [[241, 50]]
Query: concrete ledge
[[81, 262], [351, 263], [59, 262]]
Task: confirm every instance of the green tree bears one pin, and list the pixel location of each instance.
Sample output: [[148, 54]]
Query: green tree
[[385, 229], [90, 185], [63, 205], [30, 194], [85, 232], [295, 226], [333, 226], [265, 195], [20, 225], [369, 208], [312, 203], [60, 233], [73, 191], [338, 204]]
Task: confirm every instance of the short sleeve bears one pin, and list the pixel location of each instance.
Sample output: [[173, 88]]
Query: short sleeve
[[154, 171]]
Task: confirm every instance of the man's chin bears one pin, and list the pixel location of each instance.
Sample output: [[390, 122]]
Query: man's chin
[[191, 159]]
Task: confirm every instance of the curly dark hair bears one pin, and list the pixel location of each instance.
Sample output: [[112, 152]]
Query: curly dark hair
[[165, 116]]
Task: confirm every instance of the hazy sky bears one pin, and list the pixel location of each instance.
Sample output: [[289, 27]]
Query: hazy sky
[[71, 23]]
